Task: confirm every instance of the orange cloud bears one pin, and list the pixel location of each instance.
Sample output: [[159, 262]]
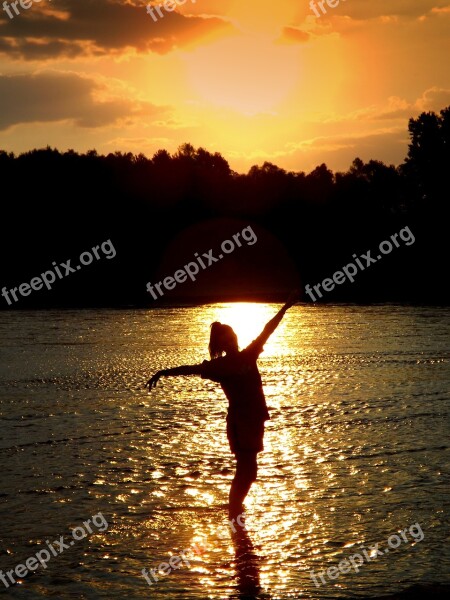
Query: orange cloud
[[292, 35]]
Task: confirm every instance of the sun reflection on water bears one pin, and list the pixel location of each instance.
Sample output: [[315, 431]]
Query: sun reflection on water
[[246, 318]]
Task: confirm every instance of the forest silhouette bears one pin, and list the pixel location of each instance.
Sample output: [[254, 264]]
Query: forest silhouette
[[158, 211]]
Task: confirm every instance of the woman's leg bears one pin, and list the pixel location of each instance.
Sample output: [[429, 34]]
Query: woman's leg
[[246, 471]]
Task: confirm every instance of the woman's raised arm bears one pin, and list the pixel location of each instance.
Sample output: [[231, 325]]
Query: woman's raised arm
[[274, 322]]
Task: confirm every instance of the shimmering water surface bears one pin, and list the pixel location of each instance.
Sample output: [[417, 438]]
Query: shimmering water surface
[[356, 450]]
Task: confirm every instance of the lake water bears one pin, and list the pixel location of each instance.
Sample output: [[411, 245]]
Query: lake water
[[356, 450]]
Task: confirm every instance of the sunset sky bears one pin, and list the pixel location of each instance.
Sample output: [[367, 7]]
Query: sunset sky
[[257, 80]]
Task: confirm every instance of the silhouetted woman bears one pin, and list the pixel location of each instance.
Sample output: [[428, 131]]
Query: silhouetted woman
[[238, 375]]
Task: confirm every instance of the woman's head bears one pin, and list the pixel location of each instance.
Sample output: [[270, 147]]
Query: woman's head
[[222, 339]]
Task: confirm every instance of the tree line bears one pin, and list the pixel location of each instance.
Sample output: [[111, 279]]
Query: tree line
[[156, 210]]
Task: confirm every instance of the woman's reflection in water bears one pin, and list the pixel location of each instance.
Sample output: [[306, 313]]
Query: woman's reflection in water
[[247, 567]]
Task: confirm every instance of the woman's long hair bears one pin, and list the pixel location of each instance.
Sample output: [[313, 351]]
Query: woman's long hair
[[219, 334]]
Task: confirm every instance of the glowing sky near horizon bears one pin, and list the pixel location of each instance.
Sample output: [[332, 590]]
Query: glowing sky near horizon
[[255, 80]]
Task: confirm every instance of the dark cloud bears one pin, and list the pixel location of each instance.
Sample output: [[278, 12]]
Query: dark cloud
[[47, 97], [71, 28]]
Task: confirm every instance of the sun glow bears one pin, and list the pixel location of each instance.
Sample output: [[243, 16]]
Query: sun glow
[[249, 78], [246, 318]]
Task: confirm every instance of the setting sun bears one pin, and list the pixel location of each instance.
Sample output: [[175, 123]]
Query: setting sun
[[249, 76]]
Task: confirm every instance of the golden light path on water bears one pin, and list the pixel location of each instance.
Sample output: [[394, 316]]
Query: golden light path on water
[[353, 394], [248, 320]]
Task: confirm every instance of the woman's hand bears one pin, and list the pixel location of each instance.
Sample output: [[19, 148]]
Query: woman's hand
[[151, 383]]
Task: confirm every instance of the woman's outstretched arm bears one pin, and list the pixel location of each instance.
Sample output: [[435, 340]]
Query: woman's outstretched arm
[[275, 321], [183, 370]]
